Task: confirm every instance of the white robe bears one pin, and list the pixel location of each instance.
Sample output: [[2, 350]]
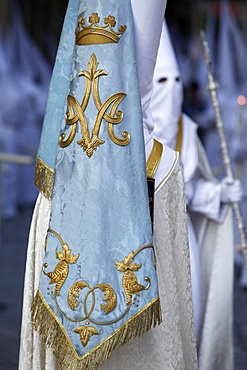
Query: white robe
[[211, 247]]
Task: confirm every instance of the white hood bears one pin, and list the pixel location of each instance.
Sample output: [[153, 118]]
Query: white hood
[[167, 96]]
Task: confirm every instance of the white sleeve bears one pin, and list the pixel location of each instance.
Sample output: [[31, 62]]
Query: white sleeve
[[206, 198], [148, 16]]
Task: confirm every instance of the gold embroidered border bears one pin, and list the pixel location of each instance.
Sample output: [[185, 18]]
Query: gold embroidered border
[[154, 159], [44, 178], [54, 335], [179, 136]]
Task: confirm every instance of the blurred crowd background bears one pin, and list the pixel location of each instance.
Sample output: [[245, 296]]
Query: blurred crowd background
[[29, 36]]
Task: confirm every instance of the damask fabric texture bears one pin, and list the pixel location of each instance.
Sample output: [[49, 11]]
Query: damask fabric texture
[[34, 354], [80, 213], [98, 285], [169, 346]]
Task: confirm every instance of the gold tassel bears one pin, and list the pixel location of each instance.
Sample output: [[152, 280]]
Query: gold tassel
[[53, 334], [44, 178]]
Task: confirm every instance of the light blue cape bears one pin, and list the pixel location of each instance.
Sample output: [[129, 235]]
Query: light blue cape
[[98, 287]]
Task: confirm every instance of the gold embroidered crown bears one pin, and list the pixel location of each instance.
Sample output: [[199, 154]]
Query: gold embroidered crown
[[96, 34]]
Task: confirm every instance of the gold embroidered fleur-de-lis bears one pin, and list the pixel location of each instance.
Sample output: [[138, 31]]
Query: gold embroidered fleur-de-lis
[[61, 270], [129, 280], [76, 111], [85, 333]]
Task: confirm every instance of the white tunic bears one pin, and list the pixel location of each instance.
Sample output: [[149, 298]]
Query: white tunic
[[211, 248]]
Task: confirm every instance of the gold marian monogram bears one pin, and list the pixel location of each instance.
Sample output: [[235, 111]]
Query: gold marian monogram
[[130, 285], [76, 113]]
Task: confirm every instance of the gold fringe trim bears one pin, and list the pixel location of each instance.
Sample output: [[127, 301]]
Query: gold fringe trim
[[44, 178], [54, 335]]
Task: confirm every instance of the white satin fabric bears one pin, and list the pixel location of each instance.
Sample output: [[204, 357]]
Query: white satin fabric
[[215, 241], [216, 253], [211, 253]]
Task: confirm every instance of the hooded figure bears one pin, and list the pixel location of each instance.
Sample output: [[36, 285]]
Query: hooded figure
[[10, 106], [232, 78], [94, 287], [210, 237], [30, 73], [22, 68]]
